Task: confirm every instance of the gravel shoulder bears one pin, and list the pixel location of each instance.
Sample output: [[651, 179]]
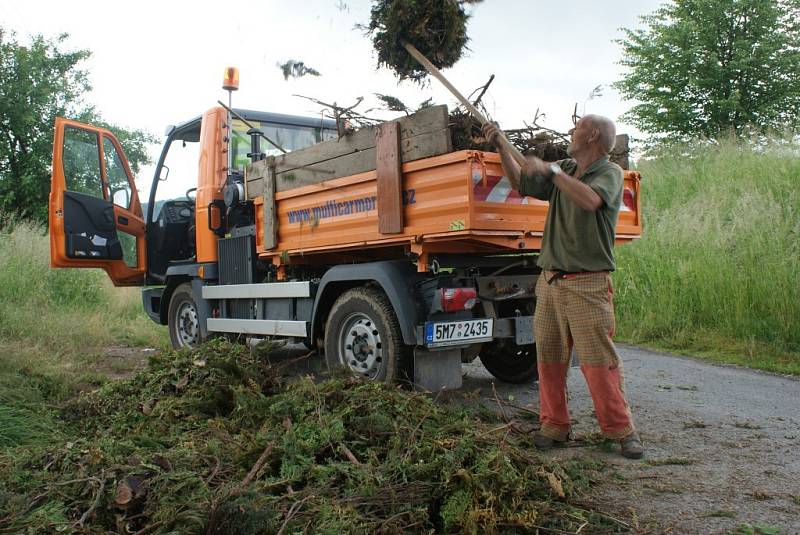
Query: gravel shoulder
[[722, 443]]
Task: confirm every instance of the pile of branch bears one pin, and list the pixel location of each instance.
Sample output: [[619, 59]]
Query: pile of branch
[[438, 29], [465, 130], [532, 139], [216, 442]]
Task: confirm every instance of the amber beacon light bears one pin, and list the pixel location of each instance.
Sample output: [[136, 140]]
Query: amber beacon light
[[231, 80]]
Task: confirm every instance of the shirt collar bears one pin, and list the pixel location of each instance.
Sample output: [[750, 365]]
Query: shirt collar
[[597, 164]]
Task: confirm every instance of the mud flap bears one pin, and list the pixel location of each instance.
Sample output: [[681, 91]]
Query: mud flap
[[437, 370]]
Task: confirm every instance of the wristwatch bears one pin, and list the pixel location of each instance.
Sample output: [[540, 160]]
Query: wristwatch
[[552, 169]]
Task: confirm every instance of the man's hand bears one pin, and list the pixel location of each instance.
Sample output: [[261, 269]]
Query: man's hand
[[535, 167], [491, 132]]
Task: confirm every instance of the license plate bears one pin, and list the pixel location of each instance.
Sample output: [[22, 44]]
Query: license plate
[[447, 333]]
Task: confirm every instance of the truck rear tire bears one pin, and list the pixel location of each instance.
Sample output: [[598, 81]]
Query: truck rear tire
[[509, 362], [183, 321], [363, 334]]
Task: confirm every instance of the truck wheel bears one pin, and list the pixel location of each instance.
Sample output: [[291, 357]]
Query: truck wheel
[[363, 334], [509, 362], [184, 324]]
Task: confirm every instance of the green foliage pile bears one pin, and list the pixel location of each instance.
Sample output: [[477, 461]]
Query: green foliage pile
[[213, 441], [718, 264], [437, 28]]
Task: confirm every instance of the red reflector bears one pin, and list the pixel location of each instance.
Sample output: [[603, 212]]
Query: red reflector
[[628, 200], [455, 299]]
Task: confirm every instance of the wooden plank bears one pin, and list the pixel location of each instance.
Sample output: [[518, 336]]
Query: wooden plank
[[422, 134], [430, 144], [270, 212], [254, 178], [261, 183], [389, 176], [424, 121], [620, 154]]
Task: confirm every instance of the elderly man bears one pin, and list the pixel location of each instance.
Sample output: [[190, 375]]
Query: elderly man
[[573, 294]]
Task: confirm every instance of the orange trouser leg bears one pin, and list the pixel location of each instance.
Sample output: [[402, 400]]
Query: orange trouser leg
[[591, 320], [613, 414], [553, 348], [553, 412]]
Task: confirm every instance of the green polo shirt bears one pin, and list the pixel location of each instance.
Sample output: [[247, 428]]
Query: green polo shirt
[[576, 240]]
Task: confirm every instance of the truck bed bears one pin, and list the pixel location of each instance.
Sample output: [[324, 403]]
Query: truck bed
[[456, 203]]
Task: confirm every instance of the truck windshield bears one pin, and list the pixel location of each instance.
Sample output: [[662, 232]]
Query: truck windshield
[[289, 137]]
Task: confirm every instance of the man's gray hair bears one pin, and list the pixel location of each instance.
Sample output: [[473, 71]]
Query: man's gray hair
[[605, 127]]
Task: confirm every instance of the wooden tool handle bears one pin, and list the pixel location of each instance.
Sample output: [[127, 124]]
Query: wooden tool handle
[[431, 68]]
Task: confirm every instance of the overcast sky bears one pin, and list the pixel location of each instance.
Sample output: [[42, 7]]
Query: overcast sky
[[159, 63]]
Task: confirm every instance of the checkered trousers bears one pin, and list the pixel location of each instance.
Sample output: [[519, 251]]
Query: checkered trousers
[[578, 311]]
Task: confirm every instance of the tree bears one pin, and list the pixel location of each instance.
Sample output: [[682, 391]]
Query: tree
[[39, 81], [702, 68]]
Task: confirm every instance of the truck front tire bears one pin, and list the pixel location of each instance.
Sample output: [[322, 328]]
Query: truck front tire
[[509, 362], [183, 320], [363, 334]]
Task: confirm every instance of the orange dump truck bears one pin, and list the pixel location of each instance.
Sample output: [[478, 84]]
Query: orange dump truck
[[384, 249]]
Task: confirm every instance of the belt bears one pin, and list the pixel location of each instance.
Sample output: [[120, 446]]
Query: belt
[[558, 274]]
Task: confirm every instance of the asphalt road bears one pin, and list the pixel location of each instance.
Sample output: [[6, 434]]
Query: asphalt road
[[722, 443]]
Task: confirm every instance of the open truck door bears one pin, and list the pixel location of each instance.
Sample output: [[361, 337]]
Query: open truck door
[[95, 214]]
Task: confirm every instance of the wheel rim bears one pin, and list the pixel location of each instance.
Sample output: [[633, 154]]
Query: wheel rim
[[360, 345], [187, 326]]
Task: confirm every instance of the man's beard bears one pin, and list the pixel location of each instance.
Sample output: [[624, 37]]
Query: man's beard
[[570, 149]]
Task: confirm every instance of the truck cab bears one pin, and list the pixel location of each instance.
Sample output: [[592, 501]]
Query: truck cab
[[96, 211], [172, 213]]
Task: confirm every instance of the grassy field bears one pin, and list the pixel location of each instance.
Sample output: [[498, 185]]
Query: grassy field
[[716, 272], [47, 313]]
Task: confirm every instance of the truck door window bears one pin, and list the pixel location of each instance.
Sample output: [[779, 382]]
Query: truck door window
[[82, 162], [118, 183]]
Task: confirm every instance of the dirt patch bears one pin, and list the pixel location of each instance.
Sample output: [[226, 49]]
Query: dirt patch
[[120, 362]]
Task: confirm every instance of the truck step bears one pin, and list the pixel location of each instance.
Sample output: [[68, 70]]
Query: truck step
[[278, 290], [258, 327]]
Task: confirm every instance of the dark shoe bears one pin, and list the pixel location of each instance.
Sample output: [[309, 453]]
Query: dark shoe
[[543, 442], [632, 446]]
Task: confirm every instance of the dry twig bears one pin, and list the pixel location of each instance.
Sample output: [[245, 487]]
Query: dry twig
[[97, 498], [292, 511], [256, 467]]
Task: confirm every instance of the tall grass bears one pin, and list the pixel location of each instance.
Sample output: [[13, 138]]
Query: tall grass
[[718, 266], [56, 322]]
